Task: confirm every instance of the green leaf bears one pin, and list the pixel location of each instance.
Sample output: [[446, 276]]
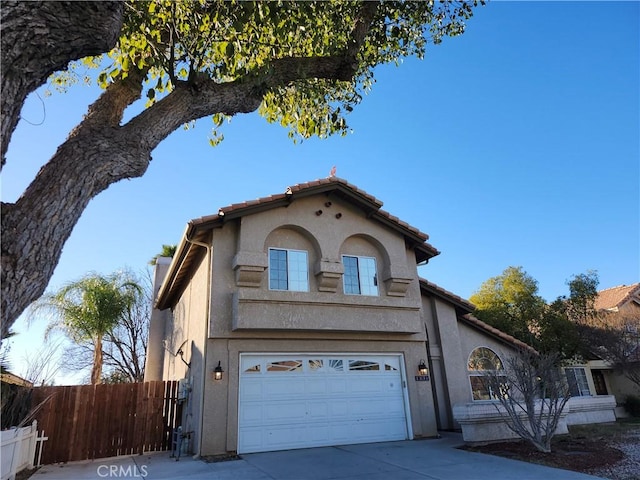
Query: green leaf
[[237, 41], [230, 50], [102, 80]]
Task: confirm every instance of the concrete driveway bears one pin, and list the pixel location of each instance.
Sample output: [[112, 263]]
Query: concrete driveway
[[409, 460]]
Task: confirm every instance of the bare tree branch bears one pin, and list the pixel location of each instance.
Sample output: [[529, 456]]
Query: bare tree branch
[[533, 393]]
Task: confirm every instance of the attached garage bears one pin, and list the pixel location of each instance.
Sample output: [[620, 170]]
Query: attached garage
[[289, 401]]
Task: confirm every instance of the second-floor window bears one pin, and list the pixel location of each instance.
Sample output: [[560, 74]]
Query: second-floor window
[[360, 276], [288, 270]]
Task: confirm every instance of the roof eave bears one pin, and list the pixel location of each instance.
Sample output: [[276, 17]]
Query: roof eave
[[499, 335], [460, 303]]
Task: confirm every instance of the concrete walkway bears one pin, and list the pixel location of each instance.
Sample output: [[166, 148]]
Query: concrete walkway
[[410, 460]]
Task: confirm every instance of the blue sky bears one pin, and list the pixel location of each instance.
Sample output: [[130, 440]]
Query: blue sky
[[515, 144]]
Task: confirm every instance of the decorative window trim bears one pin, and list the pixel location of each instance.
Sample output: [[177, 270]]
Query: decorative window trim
[[289, 271], [369, 286], [249, 267]]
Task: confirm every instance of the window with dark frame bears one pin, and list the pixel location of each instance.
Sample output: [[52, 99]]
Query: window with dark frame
[[360, 275], [577, 380], [288, 270]]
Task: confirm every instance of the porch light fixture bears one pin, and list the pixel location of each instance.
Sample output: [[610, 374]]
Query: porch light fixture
[[422, 368], [217, 372]]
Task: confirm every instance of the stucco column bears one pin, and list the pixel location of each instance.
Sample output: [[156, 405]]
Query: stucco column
[[155, 349]]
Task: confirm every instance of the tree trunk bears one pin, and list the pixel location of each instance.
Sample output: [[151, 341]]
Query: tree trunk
[[100, 152], [96, 369], [42, 37], [35, 228]]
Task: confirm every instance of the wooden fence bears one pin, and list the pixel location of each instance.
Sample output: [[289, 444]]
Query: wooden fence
[[96, 421]]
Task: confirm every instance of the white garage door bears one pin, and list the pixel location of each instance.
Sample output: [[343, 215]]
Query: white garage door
[[300, 401]]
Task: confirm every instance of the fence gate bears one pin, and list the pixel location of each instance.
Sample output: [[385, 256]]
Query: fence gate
[[86, 422]]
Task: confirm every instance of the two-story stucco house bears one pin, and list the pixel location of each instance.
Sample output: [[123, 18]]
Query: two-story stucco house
[[300, 320]]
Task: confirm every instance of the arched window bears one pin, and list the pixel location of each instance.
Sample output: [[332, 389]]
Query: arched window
[[482, 362]]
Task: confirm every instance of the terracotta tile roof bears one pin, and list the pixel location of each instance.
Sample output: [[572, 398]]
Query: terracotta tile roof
[[434, 289], [311, 187], [198, 227], [615, 297], [479, 324]]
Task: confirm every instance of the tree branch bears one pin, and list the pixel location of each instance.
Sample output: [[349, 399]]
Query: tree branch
[[37, 226], [40, 38], [206, 97]]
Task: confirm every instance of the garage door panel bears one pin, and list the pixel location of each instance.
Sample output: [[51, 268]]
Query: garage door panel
[[369, 430], [280, 437], [370, 385], [284, 411], [337, 385], [318, 409], [316, 386], [251, 439], [250, 414], [319, 401], [339, 408], [252, 389], [375, 407], [281, 387]]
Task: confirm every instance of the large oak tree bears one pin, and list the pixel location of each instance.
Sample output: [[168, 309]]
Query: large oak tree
[[301, 64]]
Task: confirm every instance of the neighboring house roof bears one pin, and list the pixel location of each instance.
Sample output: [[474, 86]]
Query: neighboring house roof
[[615, 297], [197, 229], [8, 377]]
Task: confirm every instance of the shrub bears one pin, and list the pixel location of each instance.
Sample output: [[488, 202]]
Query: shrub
[[632, 405]]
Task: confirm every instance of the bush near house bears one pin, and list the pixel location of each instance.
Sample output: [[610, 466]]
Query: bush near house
[[632, 405], [16, 403]]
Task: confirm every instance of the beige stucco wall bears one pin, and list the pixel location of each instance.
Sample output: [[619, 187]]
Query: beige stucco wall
[[620, 386], [450, 344], [189, 327], [471, 338], [241, 250]]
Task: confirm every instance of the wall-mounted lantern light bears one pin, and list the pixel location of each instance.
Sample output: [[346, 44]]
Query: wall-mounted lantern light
[[217, 372], [422, 368]]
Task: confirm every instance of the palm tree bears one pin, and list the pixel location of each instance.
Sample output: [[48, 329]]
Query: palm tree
[[88, 309], [167, 251]]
